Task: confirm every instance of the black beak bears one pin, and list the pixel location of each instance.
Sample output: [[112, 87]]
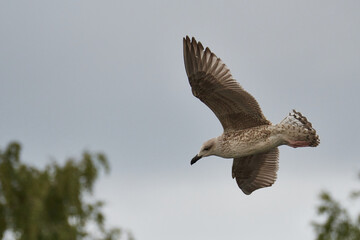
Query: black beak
[[195, 159]]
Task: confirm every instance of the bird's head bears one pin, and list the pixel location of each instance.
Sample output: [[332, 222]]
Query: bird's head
[[207, 149]]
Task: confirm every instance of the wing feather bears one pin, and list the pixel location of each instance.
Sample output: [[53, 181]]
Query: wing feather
[[256, 171], [211, 81]]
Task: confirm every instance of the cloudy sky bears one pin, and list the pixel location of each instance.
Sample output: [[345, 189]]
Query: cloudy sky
[[109, 76]]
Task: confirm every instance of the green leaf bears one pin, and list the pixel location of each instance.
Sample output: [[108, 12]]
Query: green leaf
[[46, 204]]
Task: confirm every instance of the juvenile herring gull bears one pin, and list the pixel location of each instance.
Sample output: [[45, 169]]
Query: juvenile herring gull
[[248, 137]]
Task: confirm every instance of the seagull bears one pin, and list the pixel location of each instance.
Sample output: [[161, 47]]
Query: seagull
[[248, 137]]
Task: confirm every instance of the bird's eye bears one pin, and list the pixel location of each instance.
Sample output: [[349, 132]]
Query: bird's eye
[[207, 148]]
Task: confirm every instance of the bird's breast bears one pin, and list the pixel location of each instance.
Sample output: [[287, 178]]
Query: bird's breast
[[249, 141]]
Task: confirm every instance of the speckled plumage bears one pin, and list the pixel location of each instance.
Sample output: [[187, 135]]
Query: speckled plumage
[[248, 136]]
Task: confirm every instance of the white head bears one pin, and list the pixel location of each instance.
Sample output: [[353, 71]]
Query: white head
[[207, 149]]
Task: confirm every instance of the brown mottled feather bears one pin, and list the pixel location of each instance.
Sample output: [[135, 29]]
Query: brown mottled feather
[[212, 82], [256, 171]]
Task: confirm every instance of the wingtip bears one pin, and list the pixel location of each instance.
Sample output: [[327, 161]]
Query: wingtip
[[187, 38], [190, 40], [187, 42]]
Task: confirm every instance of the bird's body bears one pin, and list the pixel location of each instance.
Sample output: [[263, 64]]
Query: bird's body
[[249, 141], [248, 136], [255, 140]]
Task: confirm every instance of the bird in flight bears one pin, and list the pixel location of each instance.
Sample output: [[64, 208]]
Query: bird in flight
[[248, 137]]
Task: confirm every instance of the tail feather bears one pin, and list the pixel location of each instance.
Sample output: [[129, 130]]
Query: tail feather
[[299, 129]]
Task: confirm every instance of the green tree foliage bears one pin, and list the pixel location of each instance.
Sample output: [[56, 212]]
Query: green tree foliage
[[49, 204], [338, 224]]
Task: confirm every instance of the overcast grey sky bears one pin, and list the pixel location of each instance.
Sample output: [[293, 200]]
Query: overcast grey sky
[[109, 76]]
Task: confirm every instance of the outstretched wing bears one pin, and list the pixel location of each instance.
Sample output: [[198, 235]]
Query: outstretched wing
[[256, 171], [212, 83]]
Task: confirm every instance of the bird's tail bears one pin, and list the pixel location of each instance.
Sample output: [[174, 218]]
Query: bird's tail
[[298, 131]]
